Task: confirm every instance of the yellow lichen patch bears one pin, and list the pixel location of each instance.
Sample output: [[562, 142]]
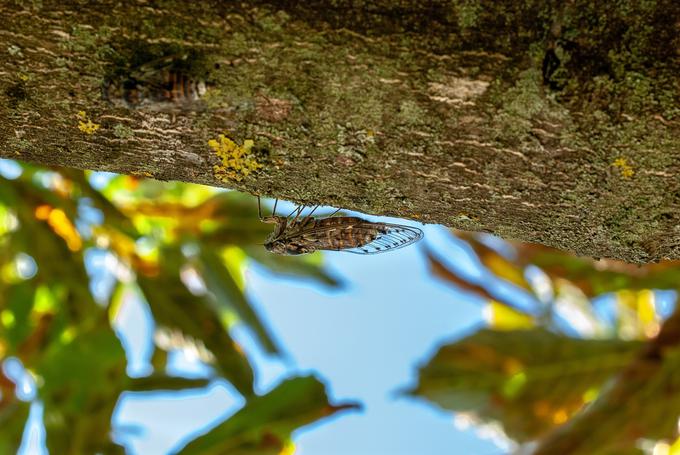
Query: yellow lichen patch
[[86, 125], [142, 174], [236, 160], [626, 169]]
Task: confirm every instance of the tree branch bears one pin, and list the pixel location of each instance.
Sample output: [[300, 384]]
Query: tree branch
[[551, 123]]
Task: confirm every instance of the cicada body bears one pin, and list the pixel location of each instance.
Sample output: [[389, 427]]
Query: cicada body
[[157, 86], [295, 235]]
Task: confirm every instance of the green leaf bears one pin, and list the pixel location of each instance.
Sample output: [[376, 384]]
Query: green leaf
[[163, 382], [174, 307], [640, 403], [305, 267], [264, 424], [16, 301], [595, 276], [229, 296], [83, 376], [529, 380]]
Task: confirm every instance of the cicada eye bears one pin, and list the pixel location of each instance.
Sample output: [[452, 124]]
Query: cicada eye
[[280, 248]]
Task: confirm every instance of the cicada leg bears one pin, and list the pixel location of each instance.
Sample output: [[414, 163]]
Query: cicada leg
[[259, 211], [299, 211], [307, 218]]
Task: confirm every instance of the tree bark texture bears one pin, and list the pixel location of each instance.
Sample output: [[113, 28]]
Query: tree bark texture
[[550, 122]]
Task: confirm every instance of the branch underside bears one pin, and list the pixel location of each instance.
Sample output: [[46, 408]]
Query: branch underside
[[549, 123]]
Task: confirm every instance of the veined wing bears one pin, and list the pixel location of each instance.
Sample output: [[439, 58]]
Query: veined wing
[[395, 236]]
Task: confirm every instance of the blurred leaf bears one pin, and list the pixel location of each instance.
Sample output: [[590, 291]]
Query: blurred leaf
[[49, 250], [442, 272], [163, 382], [497, 263], [306, 266], [82, 376], [574, 307], [220, 219], [228, 295], [502, 317], [636, 315], [529, 380], [16, 300], [229, 208], [113, 217], [641, 402], [174, 307], [595, 276], [264, 425], [674, 449], [249, 232], [438, 269], [505, 269]]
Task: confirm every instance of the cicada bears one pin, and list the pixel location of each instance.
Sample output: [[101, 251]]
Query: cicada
[[296, 234], [159, 85]]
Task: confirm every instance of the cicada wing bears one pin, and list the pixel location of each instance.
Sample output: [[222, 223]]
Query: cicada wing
[[393, 237]]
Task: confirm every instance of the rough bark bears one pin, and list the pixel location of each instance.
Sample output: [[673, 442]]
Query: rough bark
[[550, 122]]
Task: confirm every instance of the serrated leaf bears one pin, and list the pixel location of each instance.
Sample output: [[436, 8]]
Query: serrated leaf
[[640, 402], [528, 380]]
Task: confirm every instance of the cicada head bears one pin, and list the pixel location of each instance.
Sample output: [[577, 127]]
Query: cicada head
[[288, 249]]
